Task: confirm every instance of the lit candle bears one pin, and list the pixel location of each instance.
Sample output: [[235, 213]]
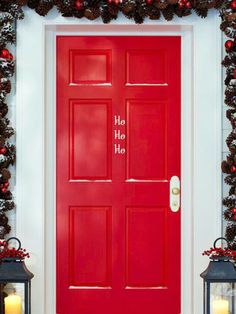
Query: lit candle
[[220, 306], [13, 304]]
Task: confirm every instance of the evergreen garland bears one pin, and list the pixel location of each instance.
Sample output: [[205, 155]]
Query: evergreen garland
[[108, 10]]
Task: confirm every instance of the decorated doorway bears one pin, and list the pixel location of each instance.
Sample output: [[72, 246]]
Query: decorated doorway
[[118, 147]]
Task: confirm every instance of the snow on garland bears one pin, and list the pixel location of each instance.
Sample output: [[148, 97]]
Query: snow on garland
[[108, 10]]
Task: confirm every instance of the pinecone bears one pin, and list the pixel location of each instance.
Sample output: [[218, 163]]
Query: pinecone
[[154, 13], [3, 110], [6, 175], [44, 7], [7, 33], [161, 5], [3, 220], [231, 137], [230, 32], [232, 191], [230, 180], [7, 68], [15, 10], [228, 215], [225, 167], [202, 12], [229, 201], [137, 18], [92, 13], [5, 17], [228, 79], [224, 25], [105, 15], [113, 10], [5, 84], [128, 6], [33, 4], [65, 7], [168, 13], [230, 231]]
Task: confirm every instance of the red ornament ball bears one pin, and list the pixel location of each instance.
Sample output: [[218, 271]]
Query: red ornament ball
[[232, 169], [234, 73], [233, 211], [4, 190], [3, 151], [188, 5], [11, 57], [79, 4], [234, 217], [233, 5], [149, 1], [6, 185], [4, 53], [229, 45]]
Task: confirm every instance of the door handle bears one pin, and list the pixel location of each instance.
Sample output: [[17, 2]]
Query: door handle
[[174, 194]]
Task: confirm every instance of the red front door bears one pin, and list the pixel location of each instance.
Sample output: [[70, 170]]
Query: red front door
[[118, 145]]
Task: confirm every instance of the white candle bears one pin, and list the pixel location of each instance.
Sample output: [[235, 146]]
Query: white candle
[[220, 306], [13, 304]]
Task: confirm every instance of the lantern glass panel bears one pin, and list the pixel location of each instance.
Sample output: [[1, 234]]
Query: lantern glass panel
[[222, 297], [13, 297]]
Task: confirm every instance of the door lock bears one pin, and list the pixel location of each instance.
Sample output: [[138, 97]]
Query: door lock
[[176, 191], [174, 194]]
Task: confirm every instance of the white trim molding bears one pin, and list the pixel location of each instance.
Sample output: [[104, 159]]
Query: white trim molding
[[36, 134]]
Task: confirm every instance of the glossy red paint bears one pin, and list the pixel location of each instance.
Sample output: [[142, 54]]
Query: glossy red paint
[[118, 145]]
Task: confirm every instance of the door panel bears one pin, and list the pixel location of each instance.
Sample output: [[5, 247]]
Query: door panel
[[118, 145]]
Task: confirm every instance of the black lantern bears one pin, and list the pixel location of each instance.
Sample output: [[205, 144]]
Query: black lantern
[[219, 285], [15, 284]]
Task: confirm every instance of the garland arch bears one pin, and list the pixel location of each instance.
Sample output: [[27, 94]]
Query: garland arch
[[108, 10]]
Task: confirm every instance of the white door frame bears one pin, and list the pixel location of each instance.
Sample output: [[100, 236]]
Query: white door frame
[[36, 131]]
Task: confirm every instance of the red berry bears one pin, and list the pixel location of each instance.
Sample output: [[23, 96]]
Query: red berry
[[6, 184], [149, 1], [233, 169], [4, 53], [117, 2], [233, 5], [110, 1], [79, 4], [4, 190], [181, 5], [188, 5], [229, 45], [3, 151]]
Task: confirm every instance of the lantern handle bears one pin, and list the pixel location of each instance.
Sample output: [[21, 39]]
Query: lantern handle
[[220, 238], [17, 240]]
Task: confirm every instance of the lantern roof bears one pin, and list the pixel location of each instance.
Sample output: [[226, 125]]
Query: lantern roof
[[14, 270], [220, 270]]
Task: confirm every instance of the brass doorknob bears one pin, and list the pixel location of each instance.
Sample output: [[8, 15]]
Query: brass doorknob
[[176, 191]]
